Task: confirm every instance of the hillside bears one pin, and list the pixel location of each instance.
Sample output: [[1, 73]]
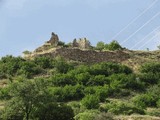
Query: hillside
[[81, 51], [77, 81]]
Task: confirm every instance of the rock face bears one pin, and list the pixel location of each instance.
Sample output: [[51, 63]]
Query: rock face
[[82, 43]]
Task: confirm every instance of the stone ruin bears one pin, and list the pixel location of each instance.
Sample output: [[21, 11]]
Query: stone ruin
[[53, 42], [82, 43]]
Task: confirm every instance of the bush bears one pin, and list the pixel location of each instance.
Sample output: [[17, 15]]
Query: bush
[[150, 78], [125, 81], [10, 65], [83, 78], [29, 68], [72, 92], [158, 103], [121, 108], [61, 65], [148, 99], [87, 115], [150, 68], [114, 45], [4, 93], [109, 68], [44, 62], [63, 79], [100, 45], [104, 116], [98, 80], [101, 92], [90, 101], [54, 111]]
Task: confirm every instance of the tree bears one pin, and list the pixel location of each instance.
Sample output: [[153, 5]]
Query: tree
[[114, 45], [26, 97], [100, 45]]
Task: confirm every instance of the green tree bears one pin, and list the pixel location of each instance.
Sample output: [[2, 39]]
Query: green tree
[[100, 45], [26, 97], [114, 45]]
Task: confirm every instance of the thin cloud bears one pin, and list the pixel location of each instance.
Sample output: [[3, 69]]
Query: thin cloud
[[14, 4]]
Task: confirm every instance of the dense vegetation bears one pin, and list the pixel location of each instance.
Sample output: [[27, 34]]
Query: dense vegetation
[[55, 89]]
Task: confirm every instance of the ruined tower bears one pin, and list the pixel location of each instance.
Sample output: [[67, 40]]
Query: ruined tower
[[53, 40], [82, 43]]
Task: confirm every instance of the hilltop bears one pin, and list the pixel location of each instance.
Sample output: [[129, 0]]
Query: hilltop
[[81, 51]]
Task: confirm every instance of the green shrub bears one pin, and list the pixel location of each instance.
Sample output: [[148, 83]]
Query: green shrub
[[109, 68], [146, 100], [44, 62], [100, 46], [104, 116], [75, 105], [98, 80], [125, 81], [158, 103], [121, 108], [4, 93], [102, 93], [150, 68], [90, 101], [114, 45], [87, 115], [72, 92], [54, 111], [61, 65], [150, 78], [29, 68], [83, 78], [63, 79]]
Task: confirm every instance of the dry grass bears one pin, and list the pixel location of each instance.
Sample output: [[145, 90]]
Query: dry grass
[[137, 117]]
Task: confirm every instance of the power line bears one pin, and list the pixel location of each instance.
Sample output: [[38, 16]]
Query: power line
[[149, 40], [141, 27], [143, 12], [145, 37]]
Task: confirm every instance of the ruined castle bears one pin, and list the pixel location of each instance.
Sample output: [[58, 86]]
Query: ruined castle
[[82, 43]]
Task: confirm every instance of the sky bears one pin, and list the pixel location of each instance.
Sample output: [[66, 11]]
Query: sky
[[27, 24]]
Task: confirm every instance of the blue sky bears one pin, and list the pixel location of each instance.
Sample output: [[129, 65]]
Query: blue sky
[[27, 24]]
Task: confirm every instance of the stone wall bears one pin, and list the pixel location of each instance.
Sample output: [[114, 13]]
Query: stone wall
[[88, 56]]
